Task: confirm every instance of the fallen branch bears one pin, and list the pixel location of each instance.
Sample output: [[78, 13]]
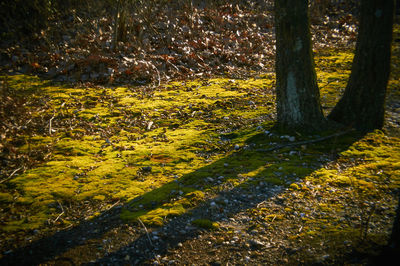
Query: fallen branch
[[112, 206], [10, 176], [147, 232], [281, 146], [62, 213]]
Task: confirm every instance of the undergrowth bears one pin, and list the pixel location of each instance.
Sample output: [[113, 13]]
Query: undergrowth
[[164, 150]]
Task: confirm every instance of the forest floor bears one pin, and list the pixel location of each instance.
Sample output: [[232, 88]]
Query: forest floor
[[189, 171]]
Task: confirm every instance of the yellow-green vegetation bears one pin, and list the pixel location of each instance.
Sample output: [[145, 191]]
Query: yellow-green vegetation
[[124, 143], [333, 71], [206, 224], [161, 150]]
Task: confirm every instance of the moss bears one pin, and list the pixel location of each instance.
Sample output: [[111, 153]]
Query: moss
[[206, 224], [273, 217], [6, 197], [185, 133], [294, 186], [154, 217], [99, 197]]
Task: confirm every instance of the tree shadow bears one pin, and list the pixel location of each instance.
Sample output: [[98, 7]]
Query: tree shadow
[[237, 182]]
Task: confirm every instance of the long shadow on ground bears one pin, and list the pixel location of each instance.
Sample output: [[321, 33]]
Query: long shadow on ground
[[251, 176]]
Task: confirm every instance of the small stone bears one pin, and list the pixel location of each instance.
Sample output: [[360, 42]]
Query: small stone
[[146, 169], [237, 147], [291, 138], [180, 244]]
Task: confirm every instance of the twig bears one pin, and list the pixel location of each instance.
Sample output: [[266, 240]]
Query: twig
[[147, 232], [262, 202], [158, 73], [112, 206], [177, 69], [281, 146], [51, 120], [62, 209], [10, 176]]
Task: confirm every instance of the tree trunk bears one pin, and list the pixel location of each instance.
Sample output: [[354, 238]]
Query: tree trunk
[[119, 31], [298, 101], [362, 105]]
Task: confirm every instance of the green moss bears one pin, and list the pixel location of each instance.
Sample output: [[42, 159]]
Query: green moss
[[6, 197], [206, 224], [154, 217], [294, 186], [184, 134]]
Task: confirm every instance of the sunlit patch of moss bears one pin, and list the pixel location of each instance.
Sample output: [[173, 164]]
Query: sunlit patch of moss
[[156, 216], [99, 197], [294, 186], [333, 70], [273, 217], [206, 224], [157, 149]]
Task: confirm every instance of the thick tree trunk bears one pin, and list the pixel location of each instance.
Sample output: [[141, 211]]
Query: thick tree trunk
[[298, 102], [363, 102]]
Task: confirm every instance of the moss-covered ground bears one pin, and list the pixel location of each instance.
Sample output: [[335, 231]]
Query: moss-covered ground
[[161, 151]]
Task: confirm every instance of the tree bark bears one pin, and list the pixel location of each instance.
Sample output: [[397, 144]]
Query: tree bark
[[362, 105], [119, 30], [297, 93]]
